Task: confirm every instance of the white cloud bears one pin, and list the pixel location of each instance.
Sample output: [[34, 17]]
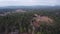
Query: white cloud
[[27, 2]]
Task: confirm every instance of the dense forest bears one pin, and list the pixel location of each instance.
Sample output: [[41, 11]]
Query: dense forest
[[20, 21]]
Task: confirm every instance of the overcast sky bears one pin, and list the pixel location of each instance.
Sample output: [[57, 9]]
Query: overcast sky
[[29, 2]]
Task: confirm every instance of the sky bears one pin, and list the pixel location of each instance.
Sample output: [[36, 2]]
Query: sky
[[29, 2]]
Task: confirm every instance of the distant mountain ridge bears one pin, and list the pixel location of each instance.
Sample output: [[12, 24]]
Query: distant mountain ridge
[[21, 9], [24, 8], [12, 7]]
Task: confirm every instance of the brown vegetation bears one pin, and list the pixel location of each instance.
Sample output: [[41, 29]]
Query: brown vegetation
[[37, 20]]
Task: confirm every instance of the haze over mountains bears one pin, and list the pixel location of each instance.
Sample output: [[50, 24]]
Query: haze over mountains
[[28, 7], [36, 6], [18, 9]]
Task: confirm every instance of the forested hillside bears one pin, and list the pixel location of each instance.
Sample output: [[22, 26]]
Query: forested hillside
[[21, 21]]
